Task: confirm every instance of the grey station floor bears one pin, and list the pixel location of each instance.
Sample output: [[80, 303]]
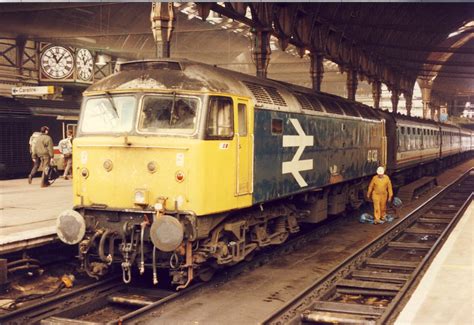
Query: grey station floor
[[444, 295], [28, 212]]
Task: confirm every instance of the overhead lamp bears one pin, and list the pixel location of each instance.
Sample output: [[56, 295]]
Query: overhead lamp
[[103, 59], [466, 27]]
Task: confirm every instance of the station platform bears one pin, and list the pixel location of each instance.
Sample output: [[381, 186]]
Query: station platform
[[28, 212], [445, 295]]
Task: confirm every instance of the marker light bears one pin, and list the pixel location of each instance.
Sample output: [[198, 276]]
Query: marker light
[[152, 167], [85, 172], [179, 176], [108, 165]]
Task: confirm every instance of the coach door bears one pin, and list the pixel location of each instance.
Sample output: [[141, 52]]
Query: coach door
[[244, 143]]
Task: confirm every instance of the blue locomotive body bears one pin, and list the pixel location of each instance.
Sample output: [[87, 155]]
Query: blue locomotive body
[[296, 153]]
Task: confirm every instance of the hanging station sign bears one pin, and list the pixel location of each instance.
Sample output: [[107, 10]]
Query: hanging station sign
[[33, 91]]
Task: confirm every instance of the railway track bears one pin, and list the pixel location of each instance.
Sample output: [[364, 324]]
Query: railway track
[[371, 286], [110, 301]]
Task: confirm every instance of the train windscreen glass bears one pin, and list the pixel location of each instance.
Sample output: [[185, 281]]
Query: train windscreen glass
[[168, 115], [112, 114]]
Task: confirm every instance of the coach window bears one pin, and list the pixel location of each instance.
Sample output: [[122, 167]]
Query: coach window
[[220, 121], [72, 128], [402, 140], [399, 138]]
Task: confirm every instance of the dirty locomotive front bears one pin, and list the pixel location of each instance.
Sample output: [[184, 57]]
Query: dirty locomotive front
[[187, 167]]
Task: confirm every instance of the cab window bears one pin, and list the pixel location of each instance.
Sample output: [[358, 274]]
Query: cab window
[[168, 114], [108, 115], [220, 121]]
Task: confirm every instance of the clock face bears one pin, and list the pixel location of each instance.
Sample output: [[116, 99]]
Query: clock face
[[84, 64], [57, 62]]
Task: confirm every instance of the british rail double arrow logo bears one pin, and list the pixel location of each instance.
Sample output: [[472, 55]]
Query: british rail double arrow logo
[[295, 166]]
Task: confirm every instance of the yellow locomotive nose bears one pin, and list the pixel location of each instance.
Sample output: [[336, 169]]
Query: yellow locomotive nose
[[70, 227]]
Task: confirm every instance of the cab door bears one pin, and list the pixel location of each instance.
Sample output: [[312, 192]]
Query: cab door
[[243, 133]]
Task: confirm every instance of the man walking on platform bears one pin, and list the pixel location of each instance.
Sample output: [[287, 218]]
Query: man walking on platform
[[43, 153], [34, 158], [65, 146], [380, 188]]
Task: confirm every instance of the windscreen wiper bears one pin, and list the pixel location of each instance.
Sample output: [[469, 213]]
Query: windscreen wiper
[[112, 103], [172, 107]]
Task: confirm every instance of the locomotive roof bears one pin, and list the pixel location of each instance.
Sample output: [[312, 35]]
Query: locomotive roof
[[183, 74], [194, 76]]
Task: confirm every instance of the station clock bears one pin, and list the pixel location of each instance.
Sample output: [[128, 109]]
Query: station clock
[[84, 65], [57, 62]]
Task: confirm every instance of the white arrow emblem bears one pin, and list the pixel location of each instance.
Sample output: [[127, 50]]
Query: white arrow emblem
[[295, 166]]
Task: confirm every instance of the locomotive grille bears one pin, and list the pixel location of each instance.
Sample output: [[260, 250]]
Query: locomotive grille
[[308, 102], [304, 102], [348, 109], [331, 107], [152, 65], [314, 103], [265, 94], [259, 93], [275, 95]]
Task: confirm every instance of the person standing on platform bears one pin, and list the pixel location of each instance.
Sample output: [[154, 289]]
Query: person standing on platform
[[43, 151], [65, 146], [380, 189], [34, 158]]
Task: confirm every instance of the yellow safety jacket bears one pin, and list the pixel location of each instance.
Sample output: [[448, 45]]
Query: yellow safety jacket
[[380, 186]]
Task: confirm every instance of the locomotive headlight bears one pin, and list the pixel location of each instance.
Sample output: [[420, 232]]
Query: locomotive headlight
[[140, 196], [70, 227]]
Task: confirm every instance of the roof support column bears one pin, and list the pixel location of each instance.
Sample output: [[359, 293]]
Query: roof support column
[[352, 83], [162, 25], [425, 87], [394, 98], [20, 51], [376, 92], [316, 70], [434, 112], [408, 102], [261, 50]]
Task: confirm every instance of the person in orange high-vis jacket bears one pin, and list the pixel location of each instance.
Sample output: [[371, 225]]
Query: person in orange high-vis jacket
[[380, 189]]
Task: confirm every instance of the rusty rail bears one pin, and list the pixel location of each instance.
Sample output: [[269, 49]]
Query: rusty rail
[[370, 287]]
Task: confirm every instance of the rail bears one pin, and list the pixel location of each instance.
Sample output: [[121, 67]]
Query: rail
[[371, 285]]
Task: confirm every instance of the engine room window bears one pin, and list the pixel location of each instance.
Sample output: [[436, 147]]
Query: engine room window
[[277, 126], [170, 114], [111, 114], [220, 120]]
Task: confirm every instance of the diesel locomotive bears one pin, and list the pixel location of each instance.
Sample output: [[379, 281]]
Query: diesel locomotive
[[188, 167]]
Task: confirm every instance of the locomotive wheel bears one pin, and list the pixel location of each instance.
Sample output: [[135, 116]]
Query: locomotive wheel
[[206, 274]]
